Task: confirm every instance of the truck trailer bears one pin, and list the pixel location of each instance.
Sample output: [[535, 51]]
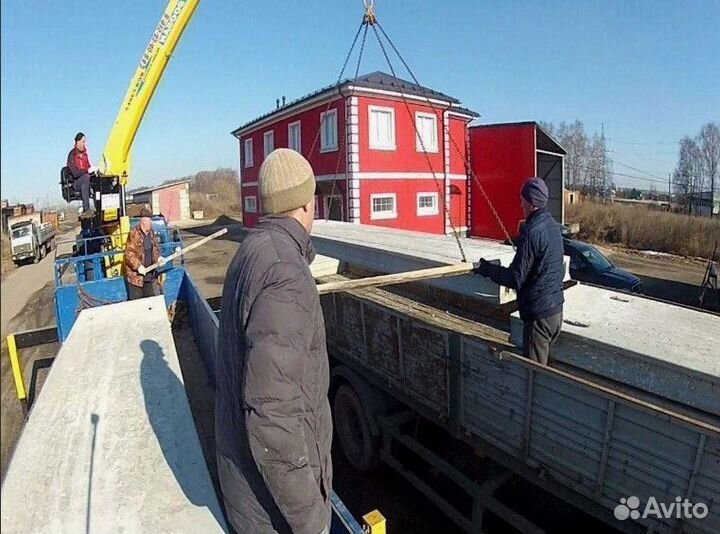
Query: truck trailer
[[30, 239]]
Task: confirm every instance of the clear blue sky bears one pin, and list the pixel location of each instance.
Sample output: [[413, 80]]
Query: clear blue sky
[[648, 69]]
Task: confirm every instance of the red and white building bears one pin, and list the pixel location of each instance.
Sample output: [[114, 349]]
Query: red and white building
[[370, 164]]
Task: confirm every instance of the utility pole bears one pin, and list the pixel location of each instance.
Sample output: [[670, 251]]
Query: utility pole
[[669, 191], [602, 139]]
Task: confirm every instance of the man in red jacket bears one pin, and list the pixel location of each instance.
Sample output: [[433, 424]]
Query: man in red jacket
[[78, 162]]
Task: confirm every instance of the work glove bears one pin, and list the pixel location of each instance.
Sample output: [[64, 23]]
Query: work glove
[[142, 270], [162, 260], [481, 267]]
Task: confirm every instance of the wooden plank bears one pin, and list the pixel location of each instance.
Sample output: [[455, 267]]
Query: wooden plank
[[398, 278], [185, 250]]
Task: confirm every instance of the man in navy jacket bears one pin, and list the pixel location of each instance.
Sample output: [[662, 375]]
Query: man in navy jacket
[[536, 273]]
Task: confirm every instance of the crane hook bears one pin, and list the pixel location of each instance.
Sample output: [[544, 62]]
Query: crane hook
[[369, 17]]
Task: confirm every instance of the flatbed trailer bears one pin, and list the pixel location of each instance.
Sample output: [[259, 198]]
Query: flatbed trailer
[[585, 439]]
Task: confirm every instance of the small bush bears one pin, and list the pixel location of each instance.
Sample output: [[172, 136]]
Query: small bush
[[643, 228]]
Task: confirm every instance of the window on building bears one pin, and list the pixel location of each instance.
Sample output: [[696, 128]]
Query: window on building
[[248, 152], [251, 204], [383, 206], [328, 131], [294, 136], [268, 142], [382, 128], [427, 204], [427, 135]]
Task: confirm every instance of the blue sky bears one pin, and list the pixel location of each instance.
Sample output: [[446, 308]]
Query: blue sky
[[647, 69]]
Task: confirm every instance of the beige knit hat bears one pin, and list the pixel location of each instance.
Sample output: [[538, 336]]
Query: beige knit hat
[[286, 181]]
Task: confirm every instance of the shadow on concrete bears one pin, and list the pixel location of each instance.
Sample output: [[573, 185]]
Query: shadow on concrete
[[163, 393], [94, 420]]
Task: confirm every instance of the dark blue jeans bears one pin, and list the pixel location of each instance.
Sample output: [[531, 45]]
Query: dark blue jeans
[[83, 184]]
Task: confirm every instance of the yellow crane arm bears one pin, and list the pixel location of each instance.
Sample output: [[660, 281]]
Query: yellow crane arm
[[116, 157]]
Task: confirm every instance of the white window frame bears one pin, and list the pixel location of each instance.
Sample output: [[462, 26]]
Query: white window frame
[[379, 215], [249, 153], [247, 209], [324, 146], [269, 135], [299, 136], [429, 148], [317, 207], [373, 144], [424, 210]]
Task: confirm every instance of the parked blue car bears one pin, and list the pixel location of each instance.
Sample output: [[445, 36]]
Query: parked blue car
[[587, 264]]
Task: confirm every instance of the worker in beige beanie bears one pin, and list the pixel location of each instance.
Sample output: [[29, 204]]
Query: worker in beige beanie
[[286, 182], [272, 420]]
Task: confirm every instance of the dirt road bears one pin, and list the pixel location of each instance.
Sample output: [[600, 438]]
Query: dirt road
[[665, 277], [20, 284], [27, 303]]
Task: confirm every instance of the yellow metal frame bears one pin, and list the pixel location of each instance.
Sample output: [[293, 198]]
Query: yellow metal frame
[[374, 523], [16, 369], [117, 155]]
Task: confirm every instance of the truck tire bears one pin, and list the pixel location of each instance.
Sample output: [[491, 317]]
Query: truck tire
[[358, 444]]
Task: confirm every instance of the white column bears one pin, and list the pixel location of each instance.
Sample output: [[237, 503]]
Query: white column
[[353, 159]]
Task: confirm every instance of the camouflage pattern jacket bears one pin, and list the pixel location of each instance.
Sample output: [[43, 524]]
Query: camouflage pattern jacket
[[135, 255]]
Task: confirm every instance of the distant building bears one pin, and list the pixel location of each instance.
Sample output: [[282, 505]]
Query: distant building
[[703, 203], [171, 200]]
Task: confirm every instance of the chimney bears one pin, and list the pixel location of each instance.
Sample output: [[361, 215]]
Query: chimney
[[277, 103], [283, 100]]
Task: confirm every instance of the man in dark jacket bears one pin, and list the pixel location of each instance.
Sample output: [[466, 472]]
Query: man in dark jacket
[[78, 163], [536, 273], [272, 416]]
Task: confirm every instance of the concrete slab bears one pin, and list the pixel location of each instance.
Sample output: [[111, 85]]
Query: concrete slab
[[324, 266], [667, 350], [388, 250], [110, 445]]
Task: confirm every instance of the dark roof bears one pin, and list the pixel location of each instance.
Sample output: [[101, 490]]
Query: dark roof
[[374, 80], [142, 190], [381, 80]]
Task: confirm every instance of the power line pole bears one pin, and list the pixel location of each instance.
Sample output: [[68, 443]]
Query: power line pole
[[669, 191]]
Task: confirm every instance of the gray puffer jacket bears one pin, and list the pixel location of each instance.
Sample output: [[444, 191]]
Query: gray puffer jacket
[[272, 417]]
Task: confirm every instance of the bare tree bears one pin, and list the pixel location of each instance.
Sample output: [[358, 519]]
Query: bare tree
[[574, 140], [688, 177], [708, 141]]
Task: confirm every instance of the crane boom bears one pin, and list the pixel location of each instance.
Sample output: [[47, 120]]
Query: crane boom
[[116, 157]]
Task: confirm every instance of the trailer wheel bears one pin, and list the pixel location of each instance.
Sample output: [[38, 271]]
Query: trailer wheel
[[358, 444]]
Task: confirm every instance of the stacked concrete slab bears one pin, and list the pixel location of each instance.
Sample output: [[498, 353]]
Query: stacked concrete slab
[[387, 250], [666, 350], [110, 445]]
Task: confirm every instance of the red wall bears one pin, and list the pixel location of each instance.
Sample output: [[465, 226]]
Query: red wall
[[458, 129], [458, 204], [322, 163], [405, 158], [406, 192], [502, 158]]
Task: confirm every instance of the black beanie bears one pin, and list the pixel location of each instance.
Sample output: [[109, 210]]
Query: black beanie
[[79, 136]]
